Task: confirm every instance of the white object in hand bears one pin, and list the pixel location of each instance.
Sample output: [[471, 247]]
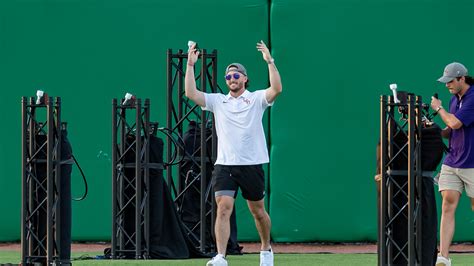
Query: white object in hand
[[191, 43], [39, 95], [393, 87], [128, 96]]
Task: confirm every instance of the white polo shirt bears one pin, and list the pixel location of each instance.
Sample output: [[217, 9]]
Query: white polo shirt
[[240, 134]]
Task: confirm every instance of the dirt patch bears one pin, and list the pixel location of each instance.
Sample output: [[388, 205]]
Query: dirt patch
[[337, 248], [314, 247], [277, 247]]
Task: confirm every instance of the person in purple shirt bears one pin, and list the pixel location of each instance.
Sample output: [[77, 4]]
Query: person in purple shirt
[[457, 171]]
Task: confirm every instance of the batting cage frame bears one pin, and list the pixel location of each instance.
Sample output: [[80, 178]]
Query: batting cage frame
[[46, 194], [408, 188], [179, 110], [131, 190]]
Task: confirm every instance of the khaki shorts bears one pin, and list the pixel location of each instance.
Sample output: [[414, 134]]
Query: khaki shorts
[[457, 179]]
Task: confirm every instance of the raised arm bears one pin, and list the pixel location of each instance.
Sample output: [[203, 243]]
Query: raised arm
[[275, 81], [449, 119], [190, 81]]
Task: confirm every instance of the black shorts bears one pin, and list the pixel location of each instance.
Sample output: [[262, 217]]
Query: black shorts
[[226, 180]]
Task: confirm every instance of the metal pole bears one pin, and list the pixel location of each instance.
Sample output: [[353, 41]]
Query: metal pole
[[50, 182], [169, 117], [147, 135], [32, 182], [180, 150], [57, 180], [114, 179], [411, 180], [138, 180], [382, 258], [120, 180], [419, 180], [389, 182], [24, 180]]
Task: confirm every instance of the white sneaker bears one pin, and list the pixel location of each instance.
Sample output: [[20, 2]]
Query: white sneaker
[[442, 261], [218, 260], [266, 258]]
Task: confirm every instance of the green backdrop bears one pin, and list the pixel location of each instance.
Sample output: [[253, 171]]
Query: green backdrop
[[336, 58], [89, 52]]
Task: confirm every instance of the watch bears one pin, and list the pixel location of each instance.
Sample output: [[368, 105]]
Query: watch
[[439, 108]]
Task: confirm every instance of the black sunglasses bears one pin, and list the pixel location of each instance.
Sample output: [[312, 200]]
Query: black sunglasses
[[235, 75]]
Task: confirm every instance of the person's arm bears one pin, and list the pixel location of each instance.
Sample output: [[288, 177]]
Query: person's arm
[[189, 80], [275, 81], [446, 132], [449, 119]]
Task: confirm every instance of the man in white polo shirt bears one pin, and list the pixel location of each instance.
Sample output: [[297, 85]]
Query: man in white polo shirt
[[241, 147]]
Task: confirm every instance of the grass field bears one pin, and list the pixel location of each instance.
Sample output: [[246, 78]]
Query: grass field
[[245, 260]]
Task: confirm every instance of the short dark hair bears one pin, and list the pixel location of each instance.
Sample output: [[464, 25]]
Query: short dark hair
[[469, 80], [247, 83]]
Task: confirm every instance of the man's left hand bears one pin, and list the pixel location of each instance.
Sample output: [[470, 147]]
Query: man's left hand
[[262, 47]]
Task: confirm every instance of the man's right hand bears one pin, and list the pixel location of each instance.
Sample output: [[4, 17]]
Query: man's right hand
[[435, 103], [193, 54], [189, 81]]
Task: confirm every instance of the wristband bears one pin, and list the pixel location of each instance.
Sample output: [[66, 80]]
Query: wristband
[[271, 61]]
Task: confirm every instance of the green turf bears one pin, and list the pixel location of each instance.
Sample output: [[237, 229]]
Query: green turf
[[245, 260]]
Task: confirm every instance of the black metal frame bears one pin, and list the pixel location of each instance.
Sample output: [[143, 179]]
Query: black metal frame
[[130, 242], [180, 109], [41, 216], [411, 126]]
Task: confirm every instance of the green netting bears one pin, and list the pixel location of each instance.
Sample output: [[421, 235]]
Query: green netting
[[336, 58], [88, 52]]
